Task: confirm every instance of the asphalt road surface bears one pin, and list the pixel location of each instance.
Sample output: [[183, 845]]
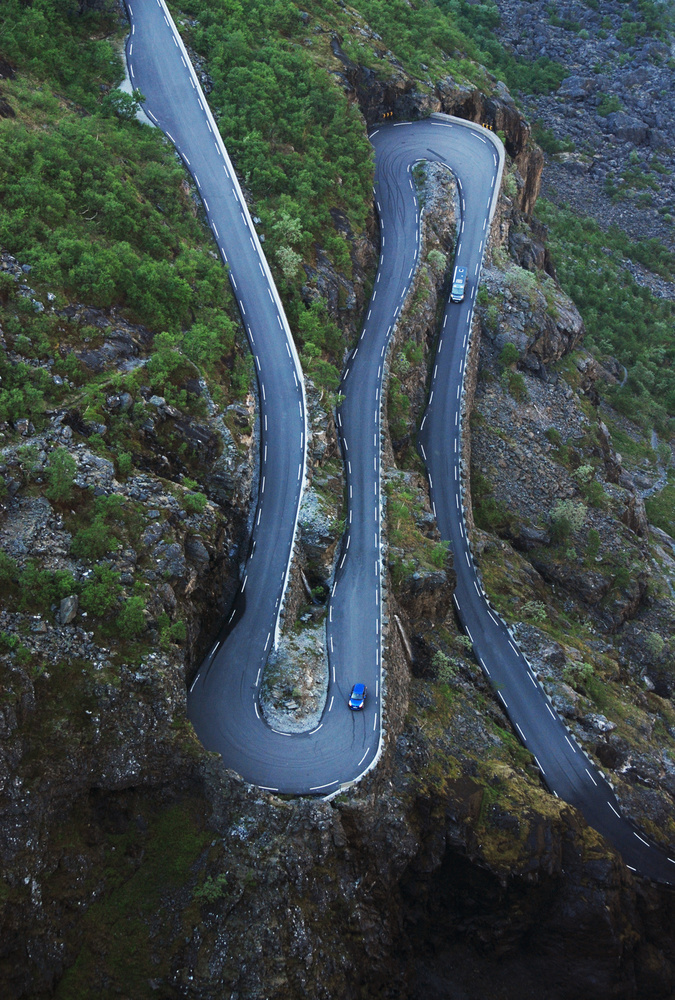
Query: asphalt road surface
[[474, 156], [224, 699]]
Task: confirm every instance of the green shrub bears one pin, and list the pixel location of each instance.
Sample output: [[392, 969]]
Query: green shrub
[[178, 632], [608, 104], [584, 475], [545, 137], [535, 611], [100, 594], [94, 541], [40, 588], [170, 632], [9, 570], [490, 513], [213, 889], [492, 318], [464, 643], [131, 619], [445, 667], [655, 644], [509, 186], [593, 543], [24, 389], [125, 106], [437, 260], [194, 503], [8, 288], [60, 474], [567, 517], [208, 343], [398, 408], [124, 463], [661, 509], [595, 495], [578, 675], [289, 261], [509, 355], [517, 387]]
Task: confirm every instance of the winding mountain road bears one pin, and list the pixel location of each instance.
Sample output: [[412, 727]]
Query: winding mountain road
[[223, 703], [160, 67]]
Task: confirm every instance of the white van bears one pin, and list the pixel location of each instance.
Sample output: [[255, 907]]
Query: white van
[[458, 285]]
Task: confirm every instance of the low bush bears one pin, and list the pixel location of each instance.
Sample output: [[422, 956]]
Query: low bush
[[622, 318], [509, 355], [93, 541], [194, 503], [445, 667], [60, 474], [567, 517], [9, 571], [578, 675], [40, 588], [131, 619], [100, 594]]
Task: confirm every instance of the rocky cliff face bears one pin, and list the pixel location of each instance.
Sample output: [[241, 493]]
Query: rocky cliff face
[[134, 865], [400, 95]]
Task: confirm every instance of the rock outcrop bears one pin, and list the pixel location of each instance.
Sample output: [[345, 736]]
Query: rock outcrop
[[399, 94]]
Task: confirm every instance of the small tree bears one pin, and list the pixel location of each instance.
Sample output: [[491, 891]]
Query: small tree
[[446, 669], [509, 354], [437, 260], [289, 261], [535, 611], [131, 619], [60, 474], [125, 106], [567, 518]]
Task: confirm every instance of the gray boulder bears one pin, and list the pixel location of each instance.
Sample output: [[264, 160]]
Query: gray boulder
[[67, 609], [627, 128], [196, 552], [576, 88]]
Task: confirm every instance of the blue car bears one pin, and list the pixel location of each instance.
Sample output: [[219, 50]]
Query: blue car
[[358, 697]]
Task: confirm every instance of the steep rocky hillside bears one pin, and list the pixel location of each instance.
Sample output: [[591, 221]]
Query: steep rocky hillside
[[133, 863], [612, 118]]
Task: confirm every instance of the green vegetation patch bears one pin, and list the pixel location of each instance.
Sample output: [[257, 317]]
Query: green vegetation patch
[[101, 209], [299, 145], [404, 508], [622, 318], [546, 138], [455, 37], [661, 508], [490, 513]]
